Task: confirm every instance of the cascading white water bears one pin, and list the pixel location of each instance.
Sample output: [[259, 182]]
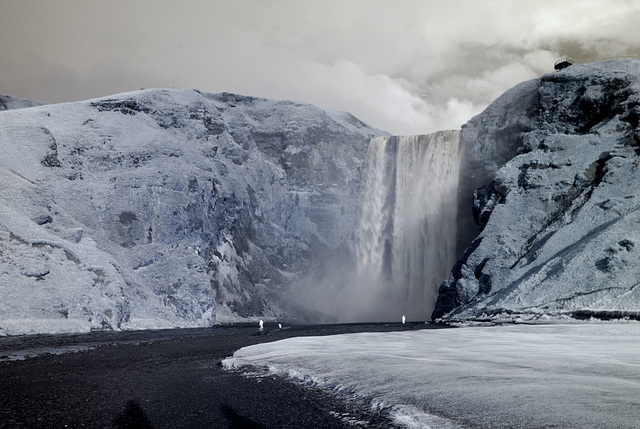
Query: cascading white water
[[406, 237]]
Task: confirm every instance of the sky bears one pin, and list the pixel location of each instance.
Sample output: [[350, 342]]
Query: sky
[[404, 66]]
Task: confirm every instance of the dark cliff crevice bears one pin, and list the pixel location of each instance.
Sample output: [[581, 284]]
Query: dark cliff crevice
[[448, 298]]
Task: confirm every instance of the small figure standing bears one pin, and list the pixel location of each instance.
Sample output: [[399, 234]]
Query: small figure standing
[[403, 319]]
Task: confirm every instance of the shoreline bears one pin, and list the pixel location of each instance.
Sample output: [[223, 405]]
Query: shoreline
[[169, 378]]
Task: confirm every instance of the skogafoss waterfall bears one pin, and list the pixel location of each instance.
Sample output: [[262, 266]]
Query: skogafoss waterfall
[[406, 236]]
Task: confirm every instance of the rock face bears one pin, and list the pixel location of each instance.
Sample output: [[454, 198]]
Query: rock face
[[170, 208], [555, 164], [8, 102]]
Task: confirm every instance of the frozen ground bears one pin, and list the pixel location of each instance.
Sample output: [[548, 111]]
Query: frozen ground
[[518, 376]]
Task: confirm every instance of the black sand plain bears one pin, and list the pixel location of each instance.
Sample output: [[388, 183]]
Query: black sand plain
[[166, 379]]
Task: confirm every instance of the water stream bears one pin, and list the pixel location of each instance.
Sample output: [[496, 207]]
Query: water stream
[[406, 236]]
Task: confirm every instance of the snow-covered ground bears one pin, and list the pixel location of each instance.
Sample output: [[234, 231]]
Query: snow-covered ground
[[518, 376]]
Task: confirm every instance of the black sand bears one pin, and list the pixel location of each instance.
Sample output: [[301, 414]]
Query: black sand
[[166, 379]]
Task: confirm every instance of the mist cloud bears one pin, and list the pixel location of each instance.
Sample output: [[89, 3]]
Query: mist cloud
[[406, 67]]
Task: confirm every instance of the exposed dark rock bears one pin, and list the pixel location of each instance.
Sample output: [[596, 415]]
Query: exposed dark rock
[[8, 102], [43, 220]]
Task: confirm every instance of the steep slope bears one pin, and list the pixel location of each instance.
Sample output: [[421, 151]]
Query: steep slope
[[557, 158], [170, 208]]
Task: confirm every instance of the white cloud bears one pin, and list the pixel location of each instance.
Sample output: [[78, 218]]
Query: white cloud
[[459, 112], [413, 66]]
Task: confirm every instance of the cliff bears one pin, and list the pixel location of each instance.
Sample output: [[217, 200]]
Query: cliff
[[171, 208], [550, 170]]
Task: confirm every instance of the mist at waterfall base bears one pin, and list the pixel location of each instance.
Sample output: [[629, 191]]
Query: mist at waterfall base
[[405, 239]]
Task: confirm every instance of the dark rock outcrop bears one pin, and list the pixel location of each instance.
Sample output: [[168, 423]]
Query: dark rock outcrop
[[9, 102]]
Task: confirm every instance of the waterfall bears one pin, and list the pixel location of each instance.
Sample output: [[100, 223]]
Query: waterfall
[[406, 236]]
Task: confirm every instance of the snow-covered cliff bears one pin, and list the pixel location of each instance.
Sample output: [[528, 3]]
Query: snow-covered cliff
[[555, 163], [170, 208]]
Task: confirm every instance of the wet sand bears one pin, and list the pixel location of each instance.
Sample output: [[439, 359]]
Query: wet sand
[[165, 379]]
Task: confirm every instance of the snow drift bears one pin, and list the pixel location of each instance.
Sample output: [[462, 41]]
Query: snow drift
[[170, 208]]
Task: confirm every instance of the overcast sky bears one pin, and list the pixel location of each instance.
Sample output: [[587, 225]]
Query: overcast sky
[[406, 66]]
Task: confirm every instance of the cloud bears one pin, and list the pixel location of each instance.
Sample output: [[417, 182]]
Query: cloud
[[413, 66]]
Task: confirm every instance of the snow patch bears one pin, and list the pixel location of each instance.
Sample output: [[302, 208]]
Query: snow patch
[[498, 377]]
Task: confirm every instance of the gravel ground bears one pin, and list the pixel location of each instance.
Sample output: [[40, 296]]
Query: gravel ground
[[165, 379]]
